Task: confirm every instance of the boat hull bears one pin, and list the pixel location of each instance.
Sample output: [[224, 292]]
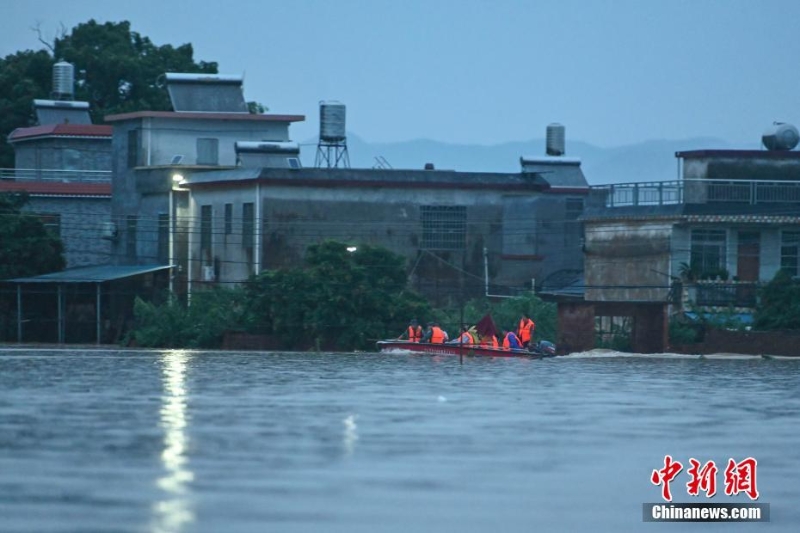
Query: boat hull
[[452, 349]]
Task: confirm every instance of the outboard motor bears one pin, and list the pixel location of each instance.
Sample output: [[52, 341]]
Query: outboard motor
[[544, 348]]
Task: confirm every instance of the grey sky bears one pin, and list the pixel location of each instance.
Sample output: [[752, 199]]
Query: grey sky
[[614, 72]]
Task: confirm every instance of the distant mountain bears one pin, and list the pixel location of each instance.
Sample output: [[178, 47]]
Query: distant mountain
[[645, 161]]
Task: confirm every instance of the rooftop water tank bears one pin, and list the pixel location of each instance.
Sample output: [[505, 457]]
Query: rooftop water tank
[[780, 136], [555, 139], [63, 81], [332, 121]]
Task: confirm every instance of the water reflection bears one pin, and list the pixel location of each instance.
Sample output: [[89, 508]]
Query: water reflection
[[173, 511], [350, 434]]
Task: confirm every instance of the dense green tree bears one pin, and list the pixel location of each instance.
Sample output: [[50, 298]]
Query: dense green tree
[[27, 247], [116, 70], [779, 303], [23, 77], [341, 299]]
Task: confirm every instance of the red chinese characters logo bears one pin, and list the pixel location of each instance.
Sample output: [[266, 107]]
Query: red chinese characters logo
[[739, 477], [664, 476]]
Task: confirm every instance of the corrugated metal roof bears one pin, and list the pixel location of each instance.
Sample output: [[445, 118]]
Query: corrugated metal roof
[[91, 274]]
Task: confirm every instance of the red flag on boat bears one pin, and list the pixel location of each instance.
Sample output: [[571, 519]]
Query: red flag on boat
[[485, 326]]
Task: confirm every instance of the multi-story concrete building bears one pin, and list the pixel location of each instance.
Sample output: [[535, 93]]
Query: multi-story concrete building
[[64, 165], [701, 244]]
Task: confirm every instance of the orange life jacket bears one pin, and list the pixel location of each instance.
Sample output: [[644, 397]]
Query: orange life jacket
[[437, 335], [525, 330], [490, 342], [414, 333], [466, 338]]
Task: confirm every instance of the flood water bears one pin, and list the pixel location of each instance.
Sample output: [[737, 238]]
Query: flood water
[[152, 441]]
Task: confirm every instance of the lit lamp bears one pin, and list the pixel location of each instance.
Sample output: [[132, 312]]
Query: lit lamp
[[177, 179], [351, 249]]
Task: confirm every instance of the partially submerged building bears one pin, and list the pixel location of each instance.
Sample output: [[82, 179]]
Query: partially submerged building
[[701, 244]]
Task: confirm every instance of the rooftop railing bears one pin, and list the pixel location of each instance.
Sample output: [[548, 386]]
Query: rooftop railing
[[63, 176], [697, 191]]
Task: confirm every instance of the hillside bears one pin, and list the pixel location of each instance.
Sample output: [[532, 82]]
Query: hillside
[[646, 161]]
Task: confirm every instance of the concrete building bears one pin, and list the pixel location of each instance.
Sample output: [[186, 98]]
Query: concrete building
[[459, 231], [64, 165], [701, 244]]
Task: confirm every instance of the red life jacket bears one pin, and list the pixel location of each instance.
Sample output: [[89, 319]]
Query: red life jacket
[[437, 335], [414, 333]]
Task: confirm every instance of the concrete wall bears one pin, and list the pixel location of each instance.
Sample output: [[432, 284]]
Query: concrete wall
[[81, 223], [627, 260], [163, 138], [743, 168], [292, 218], [59, 153]]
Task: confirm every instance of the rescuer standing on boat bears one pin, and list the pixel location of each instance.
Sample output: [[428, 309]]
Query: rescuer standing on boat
[[413, 333], [525, 330]]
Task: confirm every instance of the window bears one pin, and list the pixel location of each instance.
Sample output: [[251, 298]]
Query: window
[[444, 227], [134, 147], [228, 219], [163, 238], [131, 236], [790, 246], [248, 221], [205, 230], [708, 250], [574, 208], [207, 151], [293, 162], [52, 222]]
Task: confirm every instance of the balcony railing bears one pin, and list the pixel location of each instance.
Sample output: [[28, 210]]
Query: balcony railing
[[697, 191], [726, 294], [63, 176]]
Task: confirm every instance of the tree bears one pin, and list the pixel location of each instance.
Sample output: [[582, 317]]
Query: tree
[[342, 299], [27, 247], [779, 305], [116, 70], [23, 77]]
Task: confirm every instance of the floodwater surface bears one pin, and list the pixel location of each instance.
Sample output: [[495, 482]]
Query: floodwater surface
[[172, 441]]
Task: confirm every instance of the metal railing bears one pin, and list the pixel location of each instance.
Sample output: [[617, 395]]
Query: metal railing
[[724, 294], [63, 176], [697, 191]]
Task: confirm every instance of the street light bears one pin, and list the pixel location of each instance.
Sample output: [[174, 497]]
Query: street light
[[351, 249]]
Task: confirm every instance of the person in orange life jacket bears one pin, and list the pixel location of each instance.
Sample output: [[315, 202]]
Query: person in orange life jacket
[[465, 338], [489, 341], [413, 333], [525, 330], [434, 334], [511, 341]]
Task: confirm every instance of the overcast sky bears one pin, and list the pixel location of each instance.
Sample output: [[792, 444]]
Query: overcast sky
[[613, 72]]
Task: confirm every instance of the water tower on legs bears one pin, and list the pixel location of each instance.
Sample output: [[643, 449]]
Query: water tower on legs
[[332, 147]]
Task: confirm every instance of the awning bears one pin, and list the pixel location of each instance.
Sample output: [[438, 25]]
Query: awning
[[91, 274]]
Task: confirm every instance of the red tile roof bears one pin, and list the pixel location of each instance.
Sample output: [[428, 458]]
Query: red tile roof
[[61, 130], [56, 188]]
